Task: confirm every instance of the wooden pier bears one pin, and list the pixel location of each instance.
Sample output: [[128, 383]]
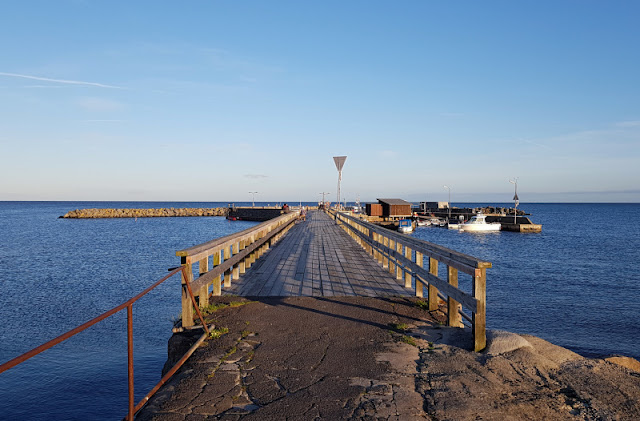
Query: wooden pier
[[334, 255], [317, 259]]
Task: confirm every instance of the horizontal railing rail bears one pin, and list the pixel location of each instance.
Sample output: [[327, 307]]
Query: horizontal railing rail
[[129, 306], [404, 256], [224, 259]]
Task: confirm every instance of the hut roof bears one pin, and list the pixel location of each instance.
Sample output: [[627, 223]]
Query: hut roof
[[394, 201]]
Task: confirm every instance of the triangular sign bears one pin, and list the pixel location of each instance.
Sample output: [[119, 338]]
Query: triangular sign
[[339, 160], [515, 197]]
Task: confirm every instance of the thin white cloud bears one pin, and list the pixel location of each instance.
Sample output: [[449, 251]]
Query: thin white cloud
[[538, 144], [256, 176], [64, 81]]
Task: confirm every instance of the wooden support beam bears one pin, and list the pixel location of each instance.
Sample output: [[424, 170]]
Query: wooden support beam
[[433, 291], [407, 275], [399, 265], [227, 273], [203, 292], [479, 316], [187, 305], [419, 292], [454, 318], [217, 281]]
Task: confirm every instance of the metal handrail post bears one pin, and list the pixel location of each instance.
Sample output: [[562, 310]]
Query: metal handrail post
[[130, 358]]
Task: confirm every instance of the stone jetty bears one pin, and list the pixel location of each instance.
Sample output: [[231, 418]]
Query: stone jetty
[[143, 213], [379, 358]]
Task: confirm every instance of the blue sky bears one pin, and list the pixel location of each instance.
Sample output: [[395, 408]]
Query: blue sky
[[209, 100]]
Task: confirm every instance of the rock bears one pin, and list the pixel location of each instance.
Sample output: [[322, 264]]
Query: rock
[[143, 213], [628, 362]]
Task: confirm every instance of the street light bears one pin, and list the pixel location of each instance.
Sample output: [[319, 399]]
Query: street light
[[449, 204], [323, 193], [515, 199], [253, 198]]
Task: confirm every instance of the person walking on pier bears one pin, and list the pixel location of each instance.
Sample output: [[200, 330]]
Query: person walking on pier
[[303, 213]]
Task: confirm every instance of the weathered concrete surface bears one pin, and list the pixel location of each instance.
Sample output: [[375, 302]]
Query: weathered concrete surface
[[303, 358]]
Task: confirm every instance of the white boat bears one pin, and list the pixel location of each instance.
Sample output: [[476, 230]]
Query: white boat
[[405, 225], [453, 225], [478, 223], [423, 222]]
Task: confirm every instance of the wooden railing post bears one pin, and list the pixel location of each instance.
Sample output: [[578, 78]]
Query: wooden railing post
[[433, 291], [407, 275], [187, 305], [392, 265], [203, 294], [419, 285], [227, 273], [398, 261], [236, 267], [252, 256], [376, 241], [453, 307], [385, 259], [479, 317], [217, 281]]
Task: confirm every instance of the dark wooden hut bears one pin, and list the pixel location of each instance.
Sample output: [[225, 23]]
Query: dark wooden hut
[[395, 208]]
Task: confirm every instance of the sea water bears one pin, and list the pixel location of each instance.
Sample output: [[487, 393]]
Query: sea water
[[574, 284]]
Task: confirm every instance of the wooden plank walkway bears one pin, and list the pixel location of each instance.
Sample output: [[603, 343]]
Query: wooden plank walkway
[[316, 258]]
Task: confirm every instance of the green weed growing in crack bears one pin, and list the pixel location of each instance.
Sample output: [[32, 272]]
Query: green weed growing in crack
[[422, 304], [408, 340], [430, 348], [213, 307], [399, 327], [229, 353], [218, 332]]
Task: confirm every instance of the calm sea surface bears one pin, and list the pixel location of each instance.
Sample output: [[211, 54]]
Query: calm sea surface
[[575, 284]]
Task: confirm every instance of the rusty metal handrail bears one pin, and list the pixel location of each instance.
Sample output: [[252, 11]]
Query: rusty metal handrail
[[129, 306]]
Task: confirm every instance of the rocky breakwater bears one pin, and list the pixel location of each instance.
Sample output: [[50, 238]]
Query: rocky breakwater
[[143, 213]]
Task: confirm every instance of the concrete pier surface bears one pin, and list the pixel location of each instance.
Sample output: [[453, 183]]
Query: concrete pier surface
[[335, 358]]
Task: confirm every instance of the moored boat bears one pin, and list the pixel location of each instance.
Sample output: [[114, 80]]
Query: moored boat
[[405, 225], [478, 223]]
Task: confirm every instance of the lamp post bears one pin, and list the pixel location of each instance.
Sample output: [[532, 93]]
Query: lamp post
[[449, 203], [253, 198], [515, 199], [323, 193]]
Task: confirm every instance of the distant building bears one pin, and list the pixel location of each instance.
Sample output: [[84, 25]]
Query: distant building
[[432, 206], [374, 209], [395, 208]]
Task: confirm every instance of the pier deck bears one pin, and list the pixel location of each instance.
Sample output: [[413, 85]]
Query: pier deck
[[317, 258]]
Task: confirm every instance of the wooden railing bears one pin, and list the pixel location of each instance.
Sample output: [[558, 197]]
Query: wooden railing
[[406, 256], [228, 257]]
